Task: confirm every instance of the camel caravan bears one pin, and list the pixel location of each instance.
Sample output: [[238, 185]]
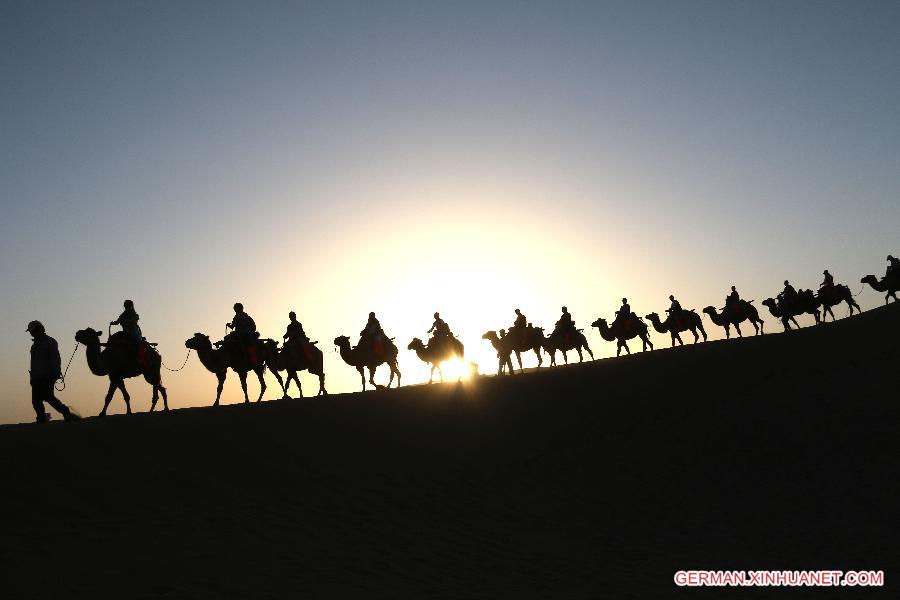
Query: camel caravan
[[128, 354]]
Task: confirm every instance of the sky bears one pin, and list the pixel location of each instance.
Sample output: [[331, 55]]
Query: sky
[[334, 158]]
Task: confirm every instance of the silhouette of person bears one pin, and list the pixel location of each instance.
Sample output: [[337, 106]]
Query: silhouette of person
[[788, 297], [520, 326], [674, 309], [129, 321], [565, 325], [624, 312], [440, 328], [45, 370], [893, 267], [373, 334], [733, 300], [828, 283], [294, 337], [243, 328]]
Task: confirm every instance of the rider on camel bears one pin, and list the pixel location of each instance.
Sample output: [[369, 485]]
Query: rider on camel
[[243, 329], [788, 297], [373, 335], [733, 300], [893, 266], [129, 321], [674, 309], [624, 312], [828, 283], [440, 328], [519, 328], [294, 337], [565, 325]]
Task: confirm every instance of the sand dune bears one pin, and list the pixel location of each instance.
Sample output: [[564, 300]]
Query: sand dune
[[593, 480]]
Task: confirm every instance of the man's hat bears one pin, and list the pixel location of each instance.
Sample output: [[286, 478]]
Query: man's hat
[[35, 326]]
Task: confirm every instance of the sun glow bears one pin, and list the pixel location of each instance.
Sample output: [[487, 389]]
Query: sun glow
[[458, 369]]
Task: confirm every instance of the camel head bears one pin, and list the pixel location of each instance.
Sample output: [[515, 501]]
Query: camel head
[[653, 317], [416, 344], [710, 310], [342, 341], [770, 302], [870, 279], [601, 322], [269, 344], [88, 336], [491, 336], [198, 342]]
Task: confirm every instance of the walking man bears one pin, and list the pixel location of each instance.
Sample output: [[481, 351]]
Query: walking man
[[45, 370]]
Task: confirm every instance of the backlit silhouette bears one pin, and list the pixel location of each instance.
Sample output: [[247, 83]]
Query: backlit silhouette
[[304, 356], [240, 358], [830, 294], [44, 371], [673, 325], [790, 304], [436, 352], [366, 355], [121, 359], [565, 337], [735, 313], [890, 283], [503, 345], [623, 329]]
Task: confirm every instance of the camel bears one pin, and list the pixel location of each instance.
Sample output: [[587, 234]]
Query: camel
[[687, 321], [805, 303], [888, 284], [436, 352], [504, 351], [362, 358], [219, 360], [120, 360], [293, 360], [530, 339], [623, 331], [729, 317], [571, 340], [833, 297]]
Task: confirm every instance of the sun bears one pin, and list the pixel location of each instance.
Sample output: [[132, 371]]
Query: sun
[[457, 369]]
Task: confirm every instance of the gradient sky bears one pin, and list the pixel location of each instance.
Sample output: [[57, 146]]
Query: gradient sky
[[335, 158]]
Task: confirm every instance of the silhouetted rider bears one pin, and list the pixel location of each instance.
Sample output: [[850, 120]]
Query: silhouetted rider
[[294, 333], [129, 321], [828, 282], [243, 328], [565, 324], [440, 328], [674, 309], [519, 327], [733, 300], [788, 298], [893, 267], [372, 334], [624, 312]]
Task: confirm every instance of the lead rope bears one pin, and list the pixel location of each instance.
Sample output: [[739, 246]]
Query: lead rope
[[62, 378], [179, 368]]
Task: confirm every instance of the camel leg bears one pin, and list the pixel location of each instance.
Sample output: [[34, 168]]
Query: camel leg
[[127, 398], [737, 327], [243, 377], [261, 374], [797, 325], [762, 326], [537, 351], [322, 390], [519, 359], [280, 381], [509, 365], [221, 377], [702, 330], [565, 356], [440, 372], [580, 355], [696, 337], [296, 377], [362, 377], [588, 348], [108, 398], [372, 377]]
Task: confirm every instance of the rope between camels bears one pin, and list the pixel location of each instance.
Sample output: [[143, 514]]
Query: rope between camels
[[861, 289], [179, 368], [62, 378]]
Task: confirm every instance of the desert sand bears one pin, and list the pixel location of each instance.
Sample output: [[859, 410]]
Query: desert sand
[[597, 480]]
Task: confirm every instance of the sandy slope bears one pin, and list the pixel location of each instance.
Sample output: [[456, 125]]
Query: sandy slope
[[595, 480]]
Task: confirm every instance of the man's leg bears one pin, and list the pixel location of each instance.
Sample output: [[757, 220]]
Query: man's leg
[[37, 401]]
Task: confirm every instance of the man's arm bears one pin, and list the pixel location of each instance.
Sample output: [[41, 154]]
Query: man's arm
[[53, 359]]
